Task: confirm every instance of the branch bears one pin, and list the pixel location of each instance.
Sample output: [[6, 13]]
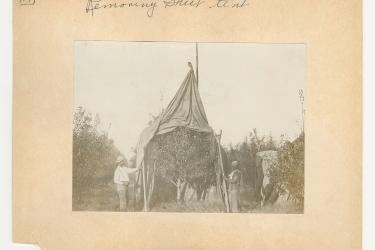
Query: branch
[[174, 183]]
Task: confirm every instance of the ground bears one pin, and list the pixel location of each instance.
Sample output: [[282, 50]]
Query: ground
[[104, 198]]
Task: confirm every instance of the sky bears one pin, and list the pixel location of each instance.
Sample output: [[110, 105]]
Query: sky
[[242, 85]]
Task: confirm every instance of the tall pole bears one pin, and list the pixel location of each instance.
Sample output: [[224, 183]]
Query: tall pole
[[196, 60], [302, 100], [226, 197], [145, 203]]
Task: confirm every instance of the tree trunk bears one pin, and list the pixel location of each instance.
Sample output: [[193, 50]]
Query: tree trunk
[[199, 193], [179, 184], [151, 188], [204, 193], [183, 191]]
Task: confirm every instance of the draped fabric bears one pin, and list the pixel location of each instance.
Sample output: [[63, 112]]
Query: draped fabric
[[185, 110]]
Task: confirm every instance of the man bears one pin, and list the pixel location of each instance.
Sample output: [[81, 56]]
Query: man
[[121, 179], [234, 179]]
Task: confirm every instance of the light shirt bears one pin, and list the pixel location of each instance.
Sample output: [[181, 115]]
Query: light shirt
[[122, 174]]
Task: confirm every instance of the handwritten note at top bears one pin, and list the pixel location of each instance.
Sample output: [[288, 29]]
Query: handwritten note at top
[[150, 6], [26, 2]]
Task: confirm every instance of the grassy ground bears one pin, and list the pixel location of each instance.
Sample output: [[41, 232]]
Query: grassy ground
[[100, 198], [104, 198]]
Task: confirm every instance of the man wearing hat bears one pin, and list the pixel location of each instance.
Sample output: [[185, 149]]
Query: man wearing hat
[[234, 179], [121, 179]]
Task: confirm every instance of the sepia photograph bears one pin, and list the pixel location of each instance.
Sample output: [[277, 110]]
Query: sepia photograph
[[188, 127]]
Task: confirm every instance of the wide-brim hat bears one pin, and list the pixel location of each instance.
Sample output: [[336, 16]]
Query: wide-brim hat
[[235, 164], [120, 159]]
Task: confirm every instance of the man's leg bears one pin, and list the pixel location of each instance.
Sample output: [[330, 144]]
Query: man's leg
[[121, 195], [126, 196], [234, 200]]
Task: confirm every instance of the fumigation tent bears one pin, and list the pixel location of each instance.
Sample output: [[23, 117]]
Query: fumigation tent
[[185, 110]]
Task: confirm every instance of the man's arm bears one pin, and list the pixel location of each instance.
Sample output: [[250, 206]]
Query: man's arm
[[233, 177], [236, 177], [116, 177], [131, 170], [228, 178]]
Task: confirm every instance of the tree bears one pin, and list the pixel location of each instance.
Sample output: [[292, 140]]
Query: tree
[[184, 157], [288, 173], [94, 154], [246, 151]]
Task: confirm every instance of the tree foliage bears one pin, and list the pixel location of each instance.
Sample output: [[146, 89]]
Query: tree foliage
[[94, 153], [288, 174], [245, 153], [184, 156]]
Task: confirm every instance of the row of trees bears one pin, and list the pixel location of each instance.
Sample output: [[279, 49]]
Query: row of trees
[[94, 154], [184, 157], [287, 176], [245, 153], [180, 158]]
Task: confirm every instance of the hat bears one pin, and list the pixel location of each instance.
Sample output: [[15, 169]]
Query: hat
[[120, 158], [234, 163]]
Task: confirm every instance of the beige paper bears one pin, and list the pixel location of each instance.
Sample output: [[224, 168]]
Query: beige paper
[[44, 38]]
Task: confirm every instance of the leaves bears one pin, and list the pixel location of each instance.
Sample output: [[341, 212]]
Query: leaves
[[184, 154], [288, 174], [94, 153], [245, 153]]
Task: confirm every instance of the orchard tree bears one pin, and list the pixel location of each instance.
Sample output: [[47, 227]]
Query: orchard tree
[[94, 154], [246, 151], [184, 157], [288, 173]]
